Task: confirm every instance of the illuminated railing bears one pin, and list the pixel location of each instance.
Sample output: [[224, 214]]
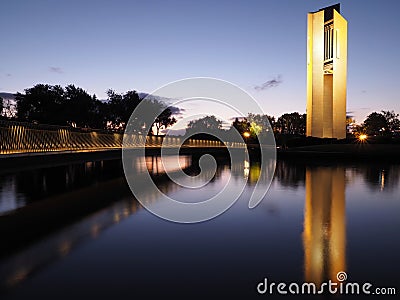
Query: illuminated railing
[[30, 138]]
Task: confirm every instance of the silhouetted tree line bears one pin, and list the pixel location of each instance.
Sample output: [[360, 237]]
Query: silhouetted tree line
[[289, 125], [1, 105], [384, 123], [73, 106], [251, 126], [50, 104]]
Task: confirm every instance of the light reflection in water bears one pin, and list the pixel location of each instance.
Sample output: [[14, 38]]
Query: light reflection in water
[[324, 236], [19, 267], [95, 230], [323, 241], [246, 170], [19, 276], [10, 199], [251, 171], [157, 164], [382, 180], [65, 247]]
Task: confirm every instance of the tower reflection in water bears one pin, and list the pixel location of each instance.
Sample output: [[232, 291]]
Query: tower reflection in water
[[324, 236]]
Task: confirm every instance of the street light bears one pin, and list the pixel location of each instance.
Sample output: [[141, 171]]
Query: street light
[[362, 137], [246, 135]]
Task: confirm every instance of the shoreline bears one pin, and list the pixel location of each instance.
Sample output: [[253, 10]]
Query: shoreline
[[344, 151], [337, 152]]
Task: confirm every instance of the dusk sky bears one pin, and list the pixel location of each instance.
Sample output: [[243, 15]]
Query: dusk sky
[[143, 45]]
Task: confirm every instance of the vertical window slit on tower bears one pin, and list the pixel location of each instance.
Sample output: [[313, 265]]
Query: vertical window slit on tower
[[328, 42]]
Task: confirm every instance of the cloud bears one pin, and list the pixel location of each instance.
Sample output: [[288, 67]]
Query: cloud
[[176, 110], [56, 70], [240, 118], [8, 75], [274, 82]]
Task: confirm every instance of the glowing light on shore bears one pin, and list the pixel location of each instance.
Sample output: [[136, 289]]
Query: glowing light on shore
[[362, 137]]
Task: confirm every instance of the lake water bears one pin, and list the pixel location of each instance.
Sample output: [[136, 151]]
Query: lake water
[[318, 218]]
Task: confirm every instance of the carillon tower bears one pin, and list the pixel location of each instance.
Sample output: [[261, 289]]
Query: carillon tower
[[326, 73]]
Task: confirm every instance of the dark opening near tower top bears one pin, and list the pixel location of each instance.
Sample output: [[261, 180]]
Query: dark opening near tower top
[[328, 11]]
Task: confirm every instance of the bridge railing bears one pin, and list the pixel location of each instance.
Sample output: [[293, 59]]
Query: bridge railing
[[18, 137]]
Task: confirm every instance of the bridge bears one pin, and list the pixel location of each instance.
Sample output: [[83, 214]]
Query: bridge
[[27, 139]]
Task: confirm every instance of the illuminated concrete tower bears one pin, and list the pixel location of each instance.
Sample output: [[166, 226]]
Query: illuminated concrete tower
[[326, 73]]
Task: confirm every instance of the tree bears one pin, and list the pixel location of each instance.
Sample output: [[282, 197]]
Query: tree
[[392, 120], [9, 108], [241, 126], [121, 107], [253, 126], [208, 124], [359, 130], [41, 103], [114, 104], [164, 120], [81, 109], [376, 124], [130, 101], [293, 123], [260, 124], [1, 106]]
